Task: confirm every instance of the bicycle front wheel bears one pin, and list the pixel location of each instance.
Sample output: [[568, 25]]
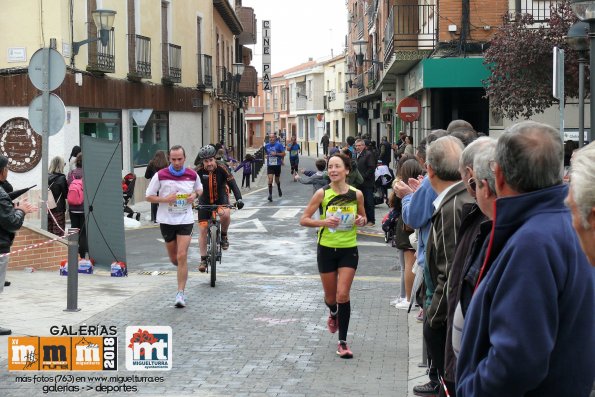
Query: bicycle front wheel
[[213, 253]]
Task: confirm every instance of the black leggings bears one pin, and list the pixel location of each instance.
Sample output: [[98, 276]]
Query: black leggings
[[246, 178], [77, 220]]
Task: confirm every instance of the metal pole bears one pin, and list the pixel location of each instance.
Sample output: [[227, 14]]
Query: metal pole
[[592, 80], [73, 272], [45, 137], [581, 99]]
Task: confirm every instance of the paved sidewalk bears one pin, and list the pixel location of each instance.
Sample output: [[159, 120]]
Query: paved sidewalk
[[252, 335]]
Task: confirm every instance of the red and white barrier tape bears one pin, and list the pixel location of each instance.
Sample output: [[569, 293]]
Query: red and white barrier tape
[[37, 245], [53, 217]]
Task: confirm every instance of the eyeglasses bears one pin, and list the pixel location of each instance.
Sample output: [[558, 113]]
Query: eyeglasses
[[472, 184]]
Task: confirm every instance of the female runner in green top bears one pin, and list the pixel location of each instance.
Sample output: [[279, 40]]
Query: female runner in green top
[[337, 256]]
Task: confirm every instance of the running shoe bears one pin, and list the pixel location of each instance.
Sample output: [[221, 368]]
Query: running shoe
[[203, 266], [224, 243], [279, 190], [404, 304], [270, 197], [420, 316], [395, 301], [427, 389], [331, 323], [343, 350], [180, 302]]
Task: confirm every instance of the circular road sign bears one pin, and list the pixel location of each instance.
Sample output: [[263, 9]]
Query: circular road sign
[[56, 73], [409, 109], [56, 110]]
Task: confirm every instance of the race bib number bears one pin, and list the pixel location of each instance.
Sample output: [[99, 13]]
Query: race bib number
[[347, 216], [294, 153], [181, 204], [273, 160]]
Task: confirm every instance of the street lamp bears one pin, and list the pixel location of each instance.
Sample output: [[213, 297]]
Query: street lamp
[[238, 70], [359, 53], [585, 11], [578, 40], [104, 21]]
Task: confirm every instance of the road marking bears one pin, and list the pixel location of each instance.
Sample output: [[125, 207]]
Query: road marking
[[286, 213], [243, 214], [269, 207], [258, 227], [370, 244]]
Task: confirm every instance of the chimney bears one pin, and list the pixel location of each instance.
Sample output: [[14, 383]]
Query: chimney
[[238, 3], [310, 59]]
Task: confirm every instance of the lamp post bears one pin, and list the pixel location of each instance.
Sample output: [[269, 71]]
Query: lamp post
[[104, 21], [585, 11], [578, 40], [238, 70]]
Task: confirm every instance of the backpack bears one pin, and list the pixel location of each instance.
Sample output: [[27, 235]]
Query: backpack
[[75, 193]]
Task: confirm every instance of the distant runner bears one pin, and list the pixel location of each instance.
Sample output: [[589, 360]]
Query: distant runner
[[275, 153]]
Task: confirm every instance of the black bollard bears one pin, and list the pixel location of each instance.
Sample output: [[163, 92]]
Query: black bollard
[[73, 272]]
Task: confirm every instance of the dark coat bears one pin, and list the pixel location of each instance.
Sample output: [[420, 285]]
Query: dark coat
[[472, 220], [59, 188], [366, 165], [11, 220]]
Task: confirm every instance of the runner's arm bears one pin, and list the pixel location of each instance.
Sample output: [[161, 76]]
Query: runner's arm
[[313, 205]]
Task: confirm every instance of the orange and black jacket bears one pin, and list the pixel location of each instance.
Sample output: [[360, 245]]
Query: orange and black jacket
[[216, 185]]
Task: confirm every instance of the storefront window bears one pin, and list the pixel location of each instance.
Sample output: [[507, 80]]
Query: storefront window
[[101, 124], [154, 137]]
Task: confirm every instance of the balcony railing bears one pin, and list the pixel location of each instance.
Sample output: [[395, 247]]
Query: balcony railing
[[205, 71], [540, 9], [172, 63], [409, 27], [371, 12], [102, 58], [360, 28], [249, 83], [255, 110], [372, 76], [139, 61]]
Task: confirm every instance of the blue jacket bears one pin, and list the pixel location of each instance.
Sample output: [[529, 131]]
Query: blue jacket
[[530, 328]]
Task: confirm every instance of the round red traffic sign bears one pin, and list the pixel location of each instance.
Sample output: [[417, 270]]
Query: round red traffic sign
[[409, 109]]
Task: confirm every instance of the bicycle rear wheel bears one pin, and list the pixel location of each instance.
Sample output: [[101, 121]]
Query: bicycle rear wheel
[[213, 253]]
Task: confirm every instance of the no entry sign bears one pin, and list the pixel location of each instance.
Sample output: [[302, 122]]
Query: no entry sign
[[409, 109]]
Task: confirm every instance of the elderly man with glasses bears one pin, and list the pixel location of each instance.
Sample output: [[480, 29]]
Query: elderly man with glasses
[[530, 329]]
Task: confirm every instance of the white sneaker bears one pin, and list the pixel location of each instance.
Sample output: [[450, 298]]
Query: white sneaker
[[404, 304], [395, 301], [180, 302]]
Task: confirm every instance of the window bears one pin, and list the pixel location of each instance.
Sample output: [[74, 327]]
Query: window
[[343, 127], [340, 84], [268, 101], [337, 128], [268, 127], [311, 130], [283, 98], [154, 137], [301, 129], [309, 90], [102, 124], [275, 98]]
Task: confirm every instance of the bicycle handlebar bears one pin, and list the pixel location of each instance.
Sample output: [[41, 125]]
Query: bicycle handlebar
[[213, 207]]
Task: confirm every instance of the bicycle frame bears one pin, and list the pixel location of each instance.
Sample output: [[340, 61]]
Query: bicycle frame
[[213, 237]]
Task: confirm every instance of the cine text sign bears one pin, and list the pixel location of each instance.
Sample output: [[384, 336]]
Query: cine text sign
[[266, 56]]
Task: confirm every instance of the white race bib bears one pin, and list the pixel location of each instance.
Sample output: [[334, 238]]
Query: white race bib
[[180, 206], [273, 160], [347, 216]]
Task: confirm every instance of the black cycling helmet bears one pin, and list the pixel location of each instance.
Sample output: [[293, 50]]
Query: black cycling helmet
[[206, 152]]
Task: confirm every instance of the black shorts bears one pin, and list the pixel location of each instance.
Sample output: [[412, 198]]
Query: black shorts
[[205, 215], [331, 259], [169, 232], [274, 169]]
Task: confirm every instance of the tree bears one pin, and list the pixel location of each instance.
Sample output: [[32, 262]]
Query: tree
[[521, 66]]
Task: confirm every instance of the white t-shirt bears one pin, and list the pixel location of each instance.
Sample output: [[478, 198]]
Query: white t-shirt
[[180, 212]]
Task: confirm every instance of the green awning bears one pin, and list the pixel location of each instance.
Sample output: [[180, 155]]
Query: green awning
[[454, 72]]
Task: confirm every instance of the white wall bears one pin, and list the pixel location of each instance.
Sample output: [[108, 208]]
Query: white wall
[[185, 129]]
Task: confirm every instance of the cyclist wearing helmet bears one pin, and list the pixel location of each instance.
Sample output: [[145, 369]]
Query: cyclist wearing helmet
[[217, 181]]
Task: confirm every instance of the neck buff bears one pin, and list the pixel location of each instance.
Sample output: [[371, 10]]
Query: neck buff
[[176, 173]]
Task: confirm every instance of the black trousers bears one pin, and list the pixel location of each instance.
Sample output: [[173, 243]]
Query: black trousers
[[435, 342], [246, 178], [77, 220], [368, 193]]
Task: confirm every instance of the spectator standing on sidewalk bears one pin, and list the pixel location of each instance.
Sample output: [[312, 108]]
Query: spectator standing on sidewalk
[[385, 151], [77, 212], [11, 220], [324, 141], [581, 198], [158, 162], [58, 186], [366, 166], [530, 329], [246, 167], [337, 253], [175, 188]]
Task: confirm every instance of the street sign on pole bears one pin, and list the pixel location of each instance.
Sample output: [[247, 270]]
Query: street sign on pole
[[409, 109], [46, 72], [558, 84], [56, 110]]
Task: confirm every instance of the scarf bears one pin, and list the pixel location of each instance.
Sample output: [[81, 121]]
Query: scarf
[[176, 173]]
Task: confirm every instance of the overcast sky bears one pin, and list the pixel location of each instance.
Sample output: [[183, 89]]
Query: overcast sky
[[300, 30]]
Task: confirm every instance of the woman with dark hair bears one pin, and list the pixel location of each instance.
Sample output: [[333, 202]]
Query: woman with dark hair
[[77, 212], [72, 159], [337, 256], [158, 162], [410, 168], [58, 186]]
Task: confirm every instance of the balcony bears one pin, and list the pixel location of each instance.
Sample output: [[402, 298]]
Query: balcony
[[410, 35], [139, 57], [248, 21], [102, 58], [205, 71], [359, 28], [371, 11], [540, 9], [249, 83], [171, 58]]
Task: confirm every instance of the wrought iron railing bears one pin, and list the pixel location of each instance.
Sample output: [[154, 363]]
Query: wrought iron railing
[[139, 64], [360, 28], [540, 9], [206, 70], [172, 63], [102, 58], [410, 27]]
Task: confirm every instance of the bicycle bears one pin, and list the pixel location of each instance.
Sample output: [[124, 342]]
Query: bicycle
[[213, 237]]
